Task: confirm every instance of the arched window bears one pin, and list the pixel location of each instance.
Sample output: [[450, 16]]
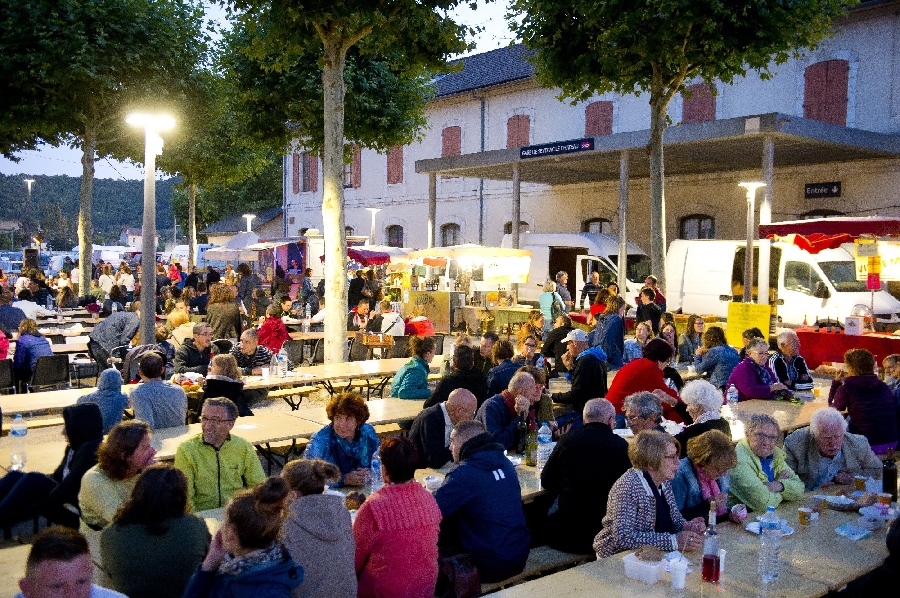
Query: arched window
[[449, 234], [523, 227], [395, 235], [825, 89], [697, 226], [820, 214], [597, 226], [348, 231], [598, 119]]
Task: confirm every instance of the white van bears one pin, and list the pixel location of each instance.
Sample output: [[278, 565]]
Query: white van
[[704, 275], [579, 254]]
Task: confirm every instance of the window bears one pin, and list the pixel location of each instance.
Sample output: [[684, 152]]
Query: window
[[698, 226], [598, 119], [800, 277], [353, 170], [700, 106], [395, 235], [310, 172], [825, 91], [395, 165], [295, 173], [348, 231], [820, 214], [518, 130], [449, 234], [451, 141], [597, 226], [523, 227]]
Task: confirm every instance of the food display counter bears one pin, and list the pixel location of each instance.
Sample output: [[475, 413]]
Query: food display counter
[[822, 347]]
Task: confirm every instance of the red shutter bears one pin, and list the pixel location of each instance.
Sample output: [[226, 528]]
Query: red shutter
[[451, 141], [395, 165], [598, 118], [825, 91], [701, 106], [295, 179], [313, 173], [518, 129], [356, 168]]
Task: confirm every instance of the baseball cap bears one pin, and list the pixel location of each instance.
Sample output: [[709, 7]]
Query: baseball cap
[[576, 335]]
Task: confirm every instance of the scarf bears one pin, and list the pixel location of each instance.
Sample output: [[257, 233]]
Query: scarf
[[763, 373], [709, 487], [664, 523], [510, 401], [272, 555], [707, 416], [349, 455]]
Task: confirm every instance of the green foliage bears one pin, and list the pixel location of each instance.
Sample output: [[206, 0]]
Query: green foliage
[[627, 46], [117, 204]]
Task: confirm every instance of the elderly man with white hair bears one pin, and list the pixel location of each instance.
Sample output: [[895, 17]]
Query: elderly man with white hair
[[789, 367], [825, 454], [704, 404]]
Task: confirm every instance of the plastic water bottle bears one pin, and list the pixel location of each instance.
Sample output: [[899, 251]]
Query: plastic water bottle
[[731, 395], [282, 367], [115, 306], [769, 545], [307, 314], [545, 440], [273, 367], [17, 433], [375, 481]]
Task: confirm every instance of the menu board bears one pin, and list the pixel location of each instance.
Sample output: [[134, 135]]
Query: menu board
[[743, 316]]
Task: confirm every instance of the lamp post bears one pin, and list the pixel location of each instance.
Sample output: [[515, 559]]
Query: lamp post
[[153, 143], [373, 211], [27, 215], [249, 218], [751, 188]]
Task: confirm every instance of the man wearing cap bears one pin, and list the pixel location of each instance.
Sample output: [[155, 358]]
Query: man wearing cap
[[587, 371]]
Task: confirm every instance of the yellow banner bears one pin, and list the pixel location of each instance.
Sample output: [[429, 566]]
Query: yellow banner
[[743, 316]]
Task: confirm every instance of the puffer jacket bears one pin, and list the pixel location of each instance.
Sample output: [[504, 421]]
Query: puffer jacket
[[411, 382], [272, 580]]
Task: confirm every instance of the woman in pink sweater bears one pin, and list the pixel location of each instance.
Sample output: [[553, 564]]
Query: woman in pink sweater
[[396, 530]]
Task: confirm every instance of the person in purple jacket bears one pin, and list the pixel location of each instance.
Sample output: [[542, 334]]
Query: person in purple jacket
[[869, 401], [752, 377]]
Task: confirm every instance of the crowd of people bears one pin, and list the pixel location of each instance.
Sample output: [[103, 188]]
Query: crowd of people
[[290, 535]]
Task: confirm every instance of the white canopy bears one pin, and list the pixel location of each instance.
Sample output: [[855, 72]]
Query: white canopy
[[235, 249]]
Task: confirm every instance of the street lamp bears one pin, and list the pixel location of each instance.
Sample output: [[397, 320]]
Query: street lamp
[[372, 230], [751, 188], [27, 219], [249, 218], [153, 143]]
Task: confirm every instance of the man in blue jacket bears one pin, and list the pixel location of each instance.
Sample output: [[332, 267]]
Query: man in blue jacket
[[500, 413], [481, 505]]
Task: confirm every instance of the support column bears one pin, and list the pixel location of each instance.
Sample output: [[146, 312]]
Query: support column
[[765, 216], [624, 173], [516, 206], [432, 208]]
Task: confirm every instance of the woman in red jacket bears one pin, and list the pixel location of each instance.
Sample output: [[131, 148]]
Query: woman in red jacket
[[273, 332], [646, 373]]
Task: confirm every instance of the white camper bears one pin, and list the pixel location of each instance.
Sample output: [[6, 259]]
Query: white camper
[[579, 254], [704, 275]]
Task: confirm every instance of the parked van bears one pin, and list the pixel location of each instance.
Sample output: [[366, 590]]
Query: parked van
[[704, 275], [579, 254]]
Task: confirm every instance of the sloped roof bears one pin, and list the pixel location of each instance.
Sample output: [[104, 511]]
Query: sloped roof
[[497, 67], [236, 223]]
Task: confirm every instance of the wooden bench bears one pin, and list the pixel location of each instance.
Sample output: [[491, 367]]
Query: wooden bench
[[389, 430], [293, 396], [283, 451], [542, 560]]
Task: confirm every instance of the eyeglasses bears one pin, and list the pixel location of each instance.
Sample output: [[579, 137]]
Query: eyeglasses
[[214, 420], [769, 437], [673, 457], [531, 345]]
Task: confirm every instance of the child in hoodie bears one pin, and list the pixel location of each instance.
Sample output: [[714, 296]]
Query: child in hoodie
[[108, 397]]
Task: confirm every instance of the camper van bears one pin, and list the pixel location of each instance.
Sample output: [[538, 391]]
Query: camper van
[[579, 254], [704, 275]]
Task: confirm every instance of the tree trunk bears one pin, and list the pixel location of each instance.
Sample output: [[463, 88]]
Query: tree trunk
[[658, 105], [85, 244], [192, 227], [333, 201]]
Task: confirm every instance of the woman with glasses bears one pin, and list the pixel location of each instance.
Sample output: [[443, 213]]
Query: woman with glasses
[[752, 377], [528, 354], [762, 477], [691, 340], [641, 510]]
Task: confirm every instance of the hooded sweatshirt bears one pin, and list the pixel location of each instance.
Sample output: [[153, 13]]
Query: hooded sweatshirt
[[870, 404], [108, 397], [84, 429], [318, 534]]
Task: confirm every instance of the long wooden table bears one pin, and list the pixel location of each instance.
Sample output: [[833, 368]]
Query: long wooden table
[[814, 561], [381, 411]]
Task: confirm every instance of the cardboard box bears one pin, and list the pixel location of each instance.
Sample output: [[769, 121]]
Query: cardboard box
[[854, 325]]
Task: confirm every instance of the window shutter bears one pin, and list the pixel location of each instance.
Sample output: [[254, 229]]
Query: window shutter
[[518, 130], [451, 141], [395, 165], [313, 173], [701, 106], [836, 82], [598, 118], [295, 178], [356, 168]]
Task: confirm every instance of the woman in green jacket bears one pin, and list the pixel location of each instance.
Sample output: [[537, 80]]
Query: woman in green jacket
[[411, 382], [762, 477]]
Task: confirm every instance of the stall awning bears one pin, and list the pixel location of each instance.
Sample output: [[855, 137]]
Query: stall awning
[[235, 249], [820, 234], [366, 257]]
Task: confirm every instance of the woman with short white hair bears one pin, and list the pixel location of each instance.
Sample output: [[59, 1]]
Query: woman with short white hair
[[704, 404]]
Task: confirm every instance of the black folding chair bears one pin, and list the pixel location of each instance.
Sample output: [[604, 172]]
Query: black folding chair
[[401, 347], [7, 378], [222, 346], [294, 351], [50, 371]]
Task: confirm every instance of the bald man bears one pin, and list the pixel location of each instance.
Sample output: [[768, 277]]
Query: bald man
[[581, 470], [431, 429]]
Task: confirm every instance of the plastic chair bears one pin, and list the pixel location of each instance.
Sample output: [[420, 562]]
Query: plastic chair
[[49, 371], [294, 351], [222, 346], [401, 347], [7, 378]]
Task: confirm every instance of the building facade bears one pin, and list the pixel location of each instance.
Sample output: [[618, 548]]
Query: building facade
[[851, 83]]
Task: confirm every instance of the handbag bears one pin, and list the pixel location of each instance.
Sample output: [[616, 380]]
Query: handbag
[[458, 577]]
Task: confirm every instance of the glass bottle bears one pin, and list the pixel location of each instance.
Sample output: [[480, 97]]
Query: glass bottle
[[711, 547]]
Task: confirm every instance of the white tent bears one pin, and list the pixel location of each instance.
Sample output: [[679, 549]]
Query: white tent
[[235, 249]]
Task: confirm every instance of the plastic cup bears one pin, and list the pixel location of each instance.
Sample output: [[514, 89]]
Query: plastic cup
[[433, 482], [265, 372], [817, 392], [678, 573], [859, 483], [884, 498], [804, 514], [722, 554]]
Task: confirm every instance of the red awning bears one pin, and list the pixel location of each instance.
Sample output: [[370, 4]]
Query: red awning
[[364, 257], [816, 242], [851, 227]]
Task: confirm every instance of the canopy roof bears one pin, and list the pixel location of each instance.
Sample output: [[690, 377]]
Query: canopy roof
[[852, 227], [235, 248]]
